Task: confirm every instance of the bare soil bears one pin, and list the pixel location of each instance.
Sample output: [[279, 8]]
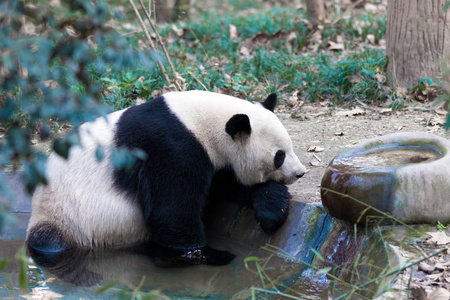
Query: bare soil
[[325, 135]]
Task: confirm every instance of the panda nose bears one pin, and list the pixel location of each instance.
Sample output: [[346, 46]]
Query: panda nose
[[300, 175]]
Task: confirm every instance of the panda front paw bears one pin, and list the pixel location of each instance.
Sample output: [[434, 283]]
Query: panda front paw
[[271, 206]]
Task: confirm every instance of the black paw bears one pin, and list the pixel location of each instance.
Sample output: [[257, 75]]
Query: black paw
[[271, 206], [176, 258], [216, 257]]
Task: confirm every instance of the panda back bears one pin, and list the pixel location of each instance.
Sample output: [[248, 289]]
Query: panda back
[[80, 199]]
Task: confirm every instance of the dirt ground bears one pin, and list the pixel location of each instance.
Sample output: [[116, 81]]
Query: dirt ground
[[329, 134]]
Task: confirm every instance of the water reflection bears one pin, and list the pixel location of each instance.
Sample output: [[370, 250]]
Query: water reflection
[[93, 268]]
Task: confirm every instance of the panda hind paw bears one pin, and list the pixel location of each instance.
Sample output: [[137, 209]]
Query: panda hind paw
[[203, 255], [46, 238], [216, 257]]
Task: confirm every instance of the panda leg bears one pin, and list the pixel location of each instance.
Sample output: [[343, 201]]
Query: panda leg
[[177, 227], [269, 200], [46, 238], [271, 204]]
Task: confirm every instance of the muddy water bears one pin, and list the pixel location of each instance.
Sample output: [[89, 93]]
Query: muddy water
[[79, 274], [390, 157]]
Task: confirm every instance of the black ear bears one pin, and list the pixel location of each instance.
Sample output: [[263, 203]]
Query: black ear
[[238, 124], [270, 102]]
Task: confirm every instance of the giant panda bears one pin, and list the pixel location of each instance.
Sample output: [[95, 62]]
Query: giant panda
[[198, 144]]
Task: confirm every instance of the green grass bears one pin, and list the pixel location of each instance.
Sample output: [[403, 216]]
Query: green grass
[[209, 59]]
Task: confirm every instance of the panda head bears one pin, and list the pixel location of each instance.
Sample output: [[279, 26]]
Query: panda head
[[261, 147]]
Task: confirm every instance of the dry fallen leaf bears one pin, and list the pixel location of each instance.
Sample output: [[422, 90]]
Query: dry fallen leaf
[[50, 84], [233, 33], [291, 37], [435, 121], [438, 237], [438, 294], [371, 39], [178, 31], [293, 99], [315, 149], [316, 37], [442, 265], [380, 78], [335, 46], [357, 111], [423, 266], [314, 163], [385, 111], [354, 79], [435, 277], [140, 100], [370, 7], [401, 92], [244, 51]]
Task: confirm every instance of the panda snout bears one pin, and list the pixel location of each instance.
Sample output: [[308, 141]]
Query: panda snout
[[299, 175]]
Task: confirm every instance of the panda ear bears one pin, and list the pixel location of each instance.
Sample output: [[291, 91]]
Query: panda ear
[[270, 102], [238, 125]]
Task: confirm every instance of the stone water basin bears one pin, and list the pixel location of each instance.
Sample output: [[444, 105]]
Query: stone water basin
[[404, 174]]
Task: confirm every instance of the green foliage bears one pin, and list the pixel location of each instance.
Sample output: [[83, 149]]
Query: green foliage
[[22, 259], [208, 58], [58, 53], [275, 64], [423, 84], [441, 226], [123, 158]]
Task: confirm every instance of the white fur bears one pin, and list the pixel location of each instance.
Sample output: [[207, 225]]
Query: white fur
[[103, 217], [205, 114]]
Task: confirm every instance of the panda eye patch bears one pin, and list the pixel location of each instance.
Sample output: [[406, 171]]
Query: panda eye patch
[[278, 160]]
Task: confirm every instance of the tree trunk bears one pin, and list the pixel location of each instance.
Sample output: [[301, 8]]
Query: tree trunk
[[162, 11], [417, 39], [316, 10], [181, 9]]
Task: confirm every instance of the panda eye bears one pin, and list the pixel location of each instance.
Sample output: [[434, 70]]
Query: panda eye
[[278, 160]]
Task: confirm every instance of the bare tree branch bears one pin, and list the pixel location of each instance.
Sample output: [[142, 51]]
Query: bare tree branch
[[149, 39], [178, 77]]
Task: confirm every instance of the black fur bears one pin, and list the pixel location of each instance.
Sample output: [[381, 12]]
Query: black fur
[[279, 158], [238, 125], [269, 200], [46, 237], [270, 102], [171, 185]]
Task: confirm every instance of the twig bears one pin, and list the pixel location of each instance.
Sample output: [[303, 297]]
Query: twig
[[198, 80], [166, 54], [200, 43], [149, 39], [317, 157]]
